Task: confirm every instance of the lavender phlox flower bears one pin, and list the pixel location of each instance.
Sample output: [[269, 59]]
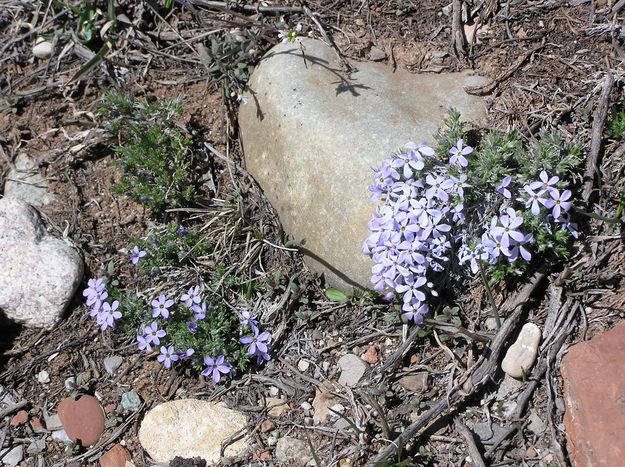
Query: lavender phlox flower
[[502, 187], [94, 287], [435, 190], [192, 327], [249, 320], [565, 220], [185, 354], [153, 334], [456, 185], [411, 288], [136, 255], [506, 228], [519, 249], [458, 213], [256, 343], [546, 183], [143, 343], [458, 152], [168, 356], [494, 247], [425, 150], [215, 368], [415, 311], [262, 357], [161, 306], [192, 297], [534, 199], [436, 228], [407, 164], [200, 311], [409, 252], [181, 231], [421, 206], [108, 315], [472, 255], [559, 203]]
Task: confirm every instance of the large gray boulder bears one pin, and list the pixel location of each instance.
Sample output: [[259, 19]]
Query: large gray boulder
[[39, 273], [310, 135]]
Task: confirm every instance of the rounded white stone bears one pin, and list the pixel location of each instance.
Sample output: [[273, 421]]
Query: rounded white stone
[[522, 354], [43, 49]]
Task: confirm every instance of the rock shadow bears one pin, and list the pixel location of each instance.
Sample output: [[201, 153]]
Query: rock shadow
[[341, 275]]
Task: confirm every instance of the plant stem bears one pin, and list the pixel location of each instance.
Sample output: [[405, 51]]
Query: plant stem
[[489, 294]]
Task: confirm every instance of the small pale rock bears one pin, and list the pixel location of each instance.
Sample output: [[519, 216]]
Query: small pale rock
[[12, 456], [20, 418], [36, 425], [522, 354], [112, 364], [375, 54], [117, 456], [26, 183], [83, 419], [491, 324], [593, 376], [341, 424], [131, 401], [53, 422], [371, 355], [323, 400], [110, 408], [536, 424], [272, 441], [336, 409], [273, 391], [292, 451], [414, 383], [306, 406], [266, 426], [191, 428], [43, 49], [352, 369], [508, 388], [303, 365], [310, 135], [28, 251], [37, 446], [43, 376], [276, 406], [61, 437]]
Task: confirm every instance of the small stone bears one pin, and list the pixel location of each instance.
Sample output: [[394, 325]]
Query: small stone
[[321, 403], [325, 366], [352, 370], [20, 418], [491, 324], [131, 401], [61, 437], [303, 365], [26, 183], [371, 355], [117, 456], [271, 441], [274, 391], [292, 451], [53, 422], [43, 377], [191, 428], [522, 354], [12, 456], [375, 54], [110, 408], [112, 364], [341, 424], [414, 359], [306, 406], [43, 49], [336, 409], [531, 453], [83, 419], [37, 446], [266, 426], [28, 251], [276, 406], [536, 424], [415, 383], [37, 426]]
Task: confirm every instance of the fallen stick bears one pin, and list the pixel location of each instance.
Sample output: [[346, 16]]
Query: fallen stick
[[598, 124], [13, 408], [478, 375], [474, 452], [231, 6]]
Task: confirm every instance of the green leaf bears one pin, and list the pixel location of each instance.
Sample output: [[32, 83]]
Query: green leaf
[[336, 295]]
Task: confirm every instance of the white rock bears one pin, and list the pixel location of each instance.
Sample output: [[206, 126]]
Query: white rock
[[43, 49], [26, 183], [43, 377], [12, 456], [61, 437], [306, 406], [112, 364], [522, 354], [303, 365], [310, 136], [352, 369], [39, 273], [189, 428]]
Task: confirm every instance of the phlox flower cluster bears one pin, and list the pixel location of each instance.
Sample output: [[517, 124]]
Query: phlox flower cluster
[[411, 237], [423, 223], [189, 309], [105, 313]]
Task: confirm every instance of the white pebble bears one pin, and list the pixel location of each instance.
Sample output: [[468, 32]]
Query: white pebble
[[303, 365], [43, 49], [43, 377], [522, 354]]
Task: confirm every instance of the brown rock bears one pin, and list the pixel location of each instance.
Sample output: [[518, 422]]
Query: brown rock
[[20, 418], [36, 425], [415, 383], [594, 393], [277, 406], [117, 456], [267, 426], [324, 399], [83, 419], [371, 355], [108, 408]]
